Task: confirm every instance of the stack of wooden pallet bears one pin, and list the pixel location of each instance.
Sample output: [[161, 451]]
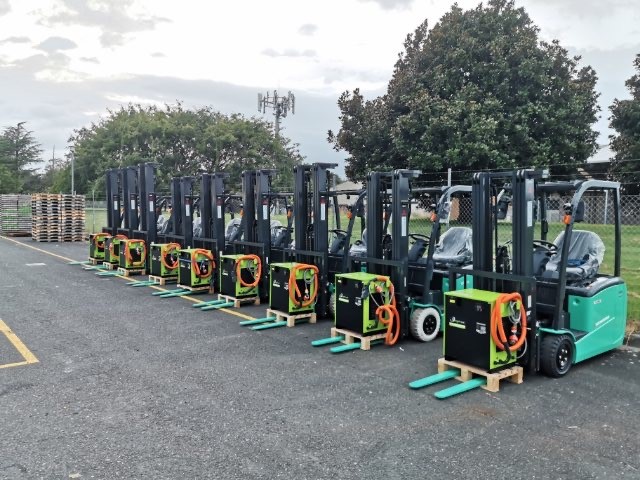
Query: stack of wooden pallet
[[72, 218], [57, 218], [15, 215], [45, 214]]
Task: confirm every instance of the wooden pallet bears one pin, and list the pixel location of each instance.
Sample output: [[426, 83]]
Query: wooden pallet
[[207, 289], [129, 272], [291, 318], [162, 280], [237, 302], [513, 374], [350, 337], [110, 266], [95, 261]]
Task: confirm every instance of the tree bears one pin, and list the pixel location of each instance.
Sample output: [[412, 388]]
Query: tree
[[19, 150], [625, 120], [183, 142], [478, 91]]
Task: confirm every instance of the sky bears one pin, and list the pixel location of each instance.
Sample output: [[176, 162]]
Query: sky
[[63, 63]]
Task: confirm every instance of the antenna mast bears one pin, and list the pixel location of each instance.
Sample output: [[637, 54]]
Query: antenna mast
[[280, 105]]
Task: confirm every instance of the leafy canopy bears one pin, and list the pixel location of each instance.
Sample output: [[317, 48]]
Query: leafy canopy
[[183, 142], [625, 120], [477, 91]]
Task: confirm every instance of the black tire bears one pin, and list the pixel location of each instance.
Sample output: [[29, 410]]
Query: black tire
[[556, 355]]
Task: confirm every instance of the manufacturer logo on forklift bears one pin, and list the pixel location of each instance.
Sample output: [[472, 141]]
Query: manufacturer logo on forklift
[[343, 298], [454, 322], [276, 283]]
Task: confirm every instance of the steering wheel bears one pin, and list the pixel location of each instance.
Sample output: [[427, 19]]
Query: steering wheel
[[419, 236], [337, 231], [549, 246]]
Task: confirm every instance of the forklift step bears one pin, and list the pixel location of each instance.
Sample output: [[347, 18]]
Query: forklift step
[[217, 306], [433, 379], [460, 388], [257, 321], [327, 341], [265, 326]]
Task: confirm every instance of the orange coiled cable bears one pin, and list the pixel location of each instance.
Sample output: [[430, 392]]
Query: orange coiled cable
[[256, 279], [388, 314], [170, 248], [99, 238], [194, 262], [498, 334], [127, 252], [118, 237], [295, 291]]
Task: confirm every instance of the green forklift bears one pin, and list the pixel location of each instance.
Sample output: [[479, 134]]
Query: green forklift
[[540, 304]]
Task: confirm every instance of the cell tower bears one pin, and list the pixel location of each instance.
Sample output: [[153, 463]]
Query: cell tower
[[280, 105]]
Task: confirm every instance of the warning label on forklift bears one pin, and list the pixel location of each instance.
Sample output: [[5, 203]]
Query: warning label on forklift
[[481, 328]]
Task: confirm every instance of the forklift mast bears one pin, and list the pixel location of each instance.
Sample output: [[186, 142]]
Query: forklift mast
[[219, 197], [147, 203], [128, 182], [311, 229], [113, 201], [186, 210]]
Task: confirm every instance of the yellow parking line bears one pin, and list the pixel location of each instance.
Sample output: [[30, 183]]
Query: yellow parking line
[[36, 249], [186, 297], [18, 345]]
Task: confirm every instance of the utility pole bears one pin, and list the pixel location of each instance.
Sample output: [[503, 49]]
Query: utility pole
[[280, 105]]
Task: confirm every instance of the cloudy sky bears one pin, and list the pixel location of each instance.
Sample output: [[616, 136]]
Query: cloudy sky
[[64, 62]]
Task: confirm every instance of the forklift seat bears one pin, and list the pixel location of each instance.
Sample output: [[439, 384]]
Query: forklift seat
[[197, 227], [454, 249], [232, 228], [586, 253], [359, 247]]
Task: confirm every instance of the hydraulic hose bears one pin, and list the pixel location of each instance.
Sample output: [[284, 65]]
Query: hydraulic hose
[[256, 277], [117, 237], [294, 291], [127, 252], [170, 248], [499, 336], [99, 238], [194, 262]]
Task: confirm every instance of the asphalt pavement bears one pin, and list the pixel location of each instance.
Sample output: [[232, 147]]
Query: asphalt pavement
[[128, 385]]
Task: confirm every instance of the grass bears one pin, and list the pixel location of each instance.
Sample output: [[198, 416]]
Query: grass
[[96, 218]]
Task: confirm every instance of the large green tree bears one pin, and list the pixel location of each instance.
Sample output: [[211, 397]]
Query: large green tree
[[18, 151], [479, 90], [182, 141], [625, 120]]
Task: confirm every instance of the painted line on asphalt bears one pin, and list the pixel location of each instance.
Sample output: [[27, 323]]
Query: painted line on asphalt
[[186, 297], [29, 357], [66, 259]]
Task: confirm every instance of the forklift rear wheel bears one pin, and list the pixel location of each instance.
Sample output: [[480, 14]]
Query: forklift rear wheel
[[425, 323], [332, 305], [556, 355]]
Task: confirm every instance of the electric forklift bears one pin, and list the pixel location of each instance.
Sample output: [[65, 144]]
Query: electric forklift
[[537, 304], [372, 305], [244, 271]]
